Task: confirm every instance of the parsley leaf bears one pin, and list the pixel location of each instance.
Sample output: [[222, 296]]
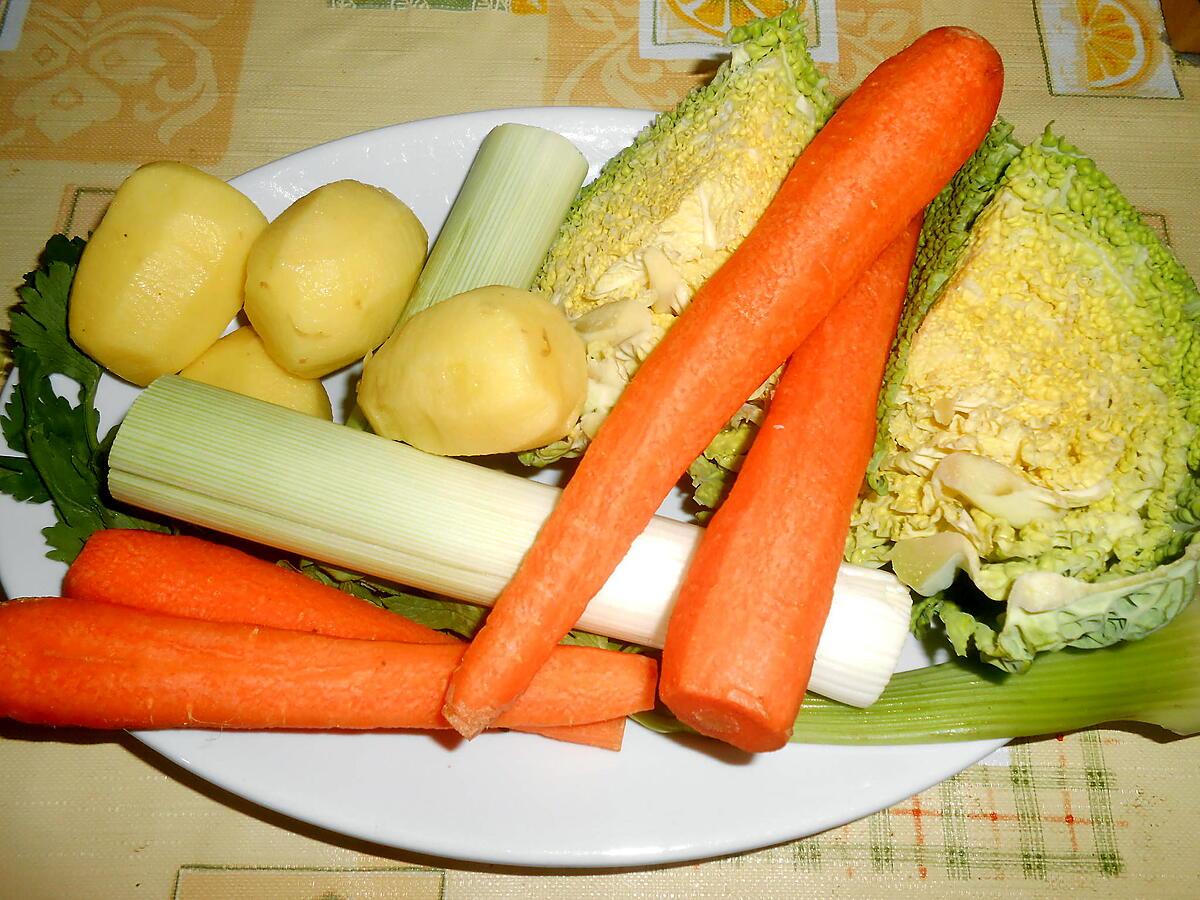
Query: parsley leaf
[[438, 613], [578, 638], [18, 478], [39, 325], [60, 456]]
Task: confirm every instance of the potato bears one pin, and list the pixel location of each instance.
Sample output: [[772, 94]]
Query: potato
[[239, 362], [162, 275], [327, 281], [493, 370]]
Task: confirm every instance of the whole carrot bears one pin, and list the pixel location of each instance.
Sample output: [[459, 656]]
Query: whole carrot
[[744, 631], [199, 579], [882, 157], [96, 665]]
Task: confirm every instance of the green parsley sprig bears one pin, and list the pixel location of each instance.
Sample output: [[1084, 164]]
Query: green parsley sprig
[[60, 456]]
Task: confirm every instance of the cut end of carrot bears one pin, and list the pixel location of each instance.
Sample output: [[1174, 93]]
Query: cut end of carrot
[[731, 720], [469, 723]]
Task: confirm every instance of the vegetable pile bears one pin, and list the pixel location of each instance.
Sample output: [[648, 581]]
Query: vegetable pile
[[926, 109], [446, 526], [887, 334]]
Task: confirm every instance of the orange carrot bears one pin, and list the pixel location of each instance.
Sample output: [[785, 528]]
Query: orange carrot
[[749, 614], [96, 665], [198, 579], [607, 735], [881, 158]]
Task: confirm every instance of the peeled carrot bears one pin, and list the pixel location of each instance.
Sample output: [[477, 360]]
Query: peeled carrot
[[198, 579], [744, 630], [96, 665], [882, 157], [607, 735]]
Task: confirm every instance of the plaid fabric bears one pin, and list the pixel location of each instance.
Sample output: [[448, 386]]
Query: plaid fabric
[[1059, 809]]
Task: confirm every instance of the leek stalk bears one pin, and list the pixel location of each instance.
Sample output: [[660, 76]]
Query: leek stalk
[[367, 504], [510, 207]]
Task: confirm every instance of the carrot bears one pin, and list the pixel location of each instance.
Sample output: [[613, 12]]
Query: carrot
[[744, 630], [96, 665], [198, 579], [607, 734], [881, 158]]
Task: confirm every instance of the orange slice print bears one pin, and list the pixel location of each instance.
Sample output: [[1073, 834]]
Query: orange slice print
[[1115, 49], [718, 16]]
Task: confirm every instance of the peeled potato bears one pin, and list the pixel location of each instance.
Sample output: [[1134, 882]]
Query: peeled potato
[[162, 275], [493, 370], [327, 281], [240, 363]]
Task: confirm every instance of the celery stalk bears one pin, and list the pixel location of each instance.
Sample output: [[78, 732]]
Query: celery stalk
[[367, 504], [1154, 680], [515, 198]]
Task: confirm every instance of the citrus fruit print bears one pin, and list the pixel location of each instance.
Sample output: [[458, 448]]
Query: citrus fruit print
[[1115, 49], [1105, 48], [718, 16]]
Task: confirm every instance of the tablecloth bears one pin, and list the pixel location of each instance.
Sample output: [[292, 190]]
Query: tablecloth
[[91, 88]]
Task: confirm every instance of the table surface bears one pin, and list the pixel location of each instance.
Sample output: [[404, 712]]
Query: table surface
[[91, 88]]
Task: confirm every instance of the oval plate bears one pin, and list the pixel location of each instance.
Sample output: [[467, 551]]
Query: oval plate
[[507, 798]]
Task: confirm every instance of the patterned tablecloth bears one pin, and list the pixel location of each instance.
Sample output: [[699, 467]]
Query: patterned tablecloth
[[91, 88]]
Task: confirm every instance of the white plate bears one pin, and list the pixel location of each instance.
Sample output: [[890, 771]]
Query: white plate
[[508, 798]]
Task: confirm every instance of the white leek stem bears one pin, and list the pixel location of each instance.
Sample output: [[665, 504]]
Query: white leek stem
[[511, 205]]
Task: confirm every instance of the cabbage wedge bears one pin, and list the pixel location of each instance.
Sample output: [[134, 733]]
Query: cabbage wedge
[[1035, 473], [667, 211]]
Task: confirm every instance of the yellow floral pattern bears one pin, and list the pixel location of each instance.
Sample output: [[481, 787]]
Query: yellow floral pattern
[[607, 68], [115, 80], [867, 33]]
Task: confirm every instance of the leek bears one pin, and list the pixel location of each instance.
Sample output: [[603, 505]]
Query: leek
[[1154, 680], [360, 502], [510, 207]]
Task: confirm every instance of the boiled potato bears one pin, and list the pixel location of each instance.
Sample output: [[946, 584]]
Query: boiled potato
[[327, 281], [239, 362], [493, 370], [162, 275]]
